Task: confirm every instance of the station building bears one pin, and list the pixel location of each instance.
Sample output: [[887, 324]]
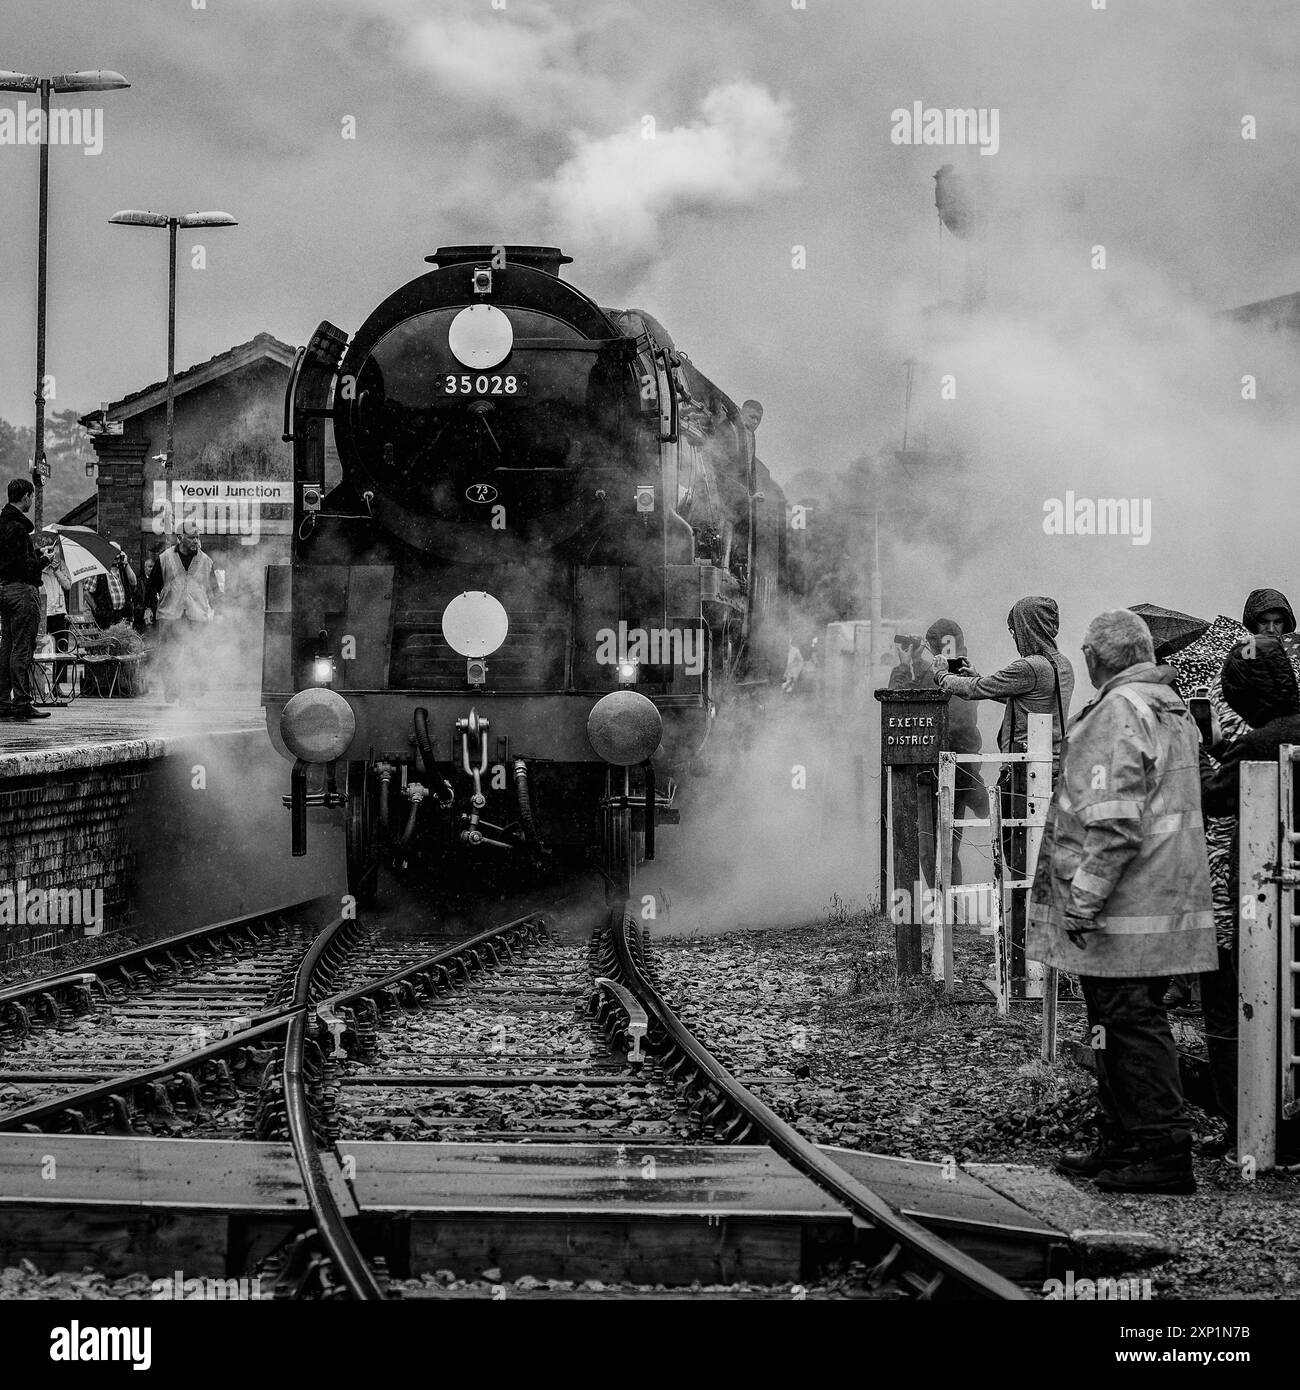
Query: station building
[[232, 474]]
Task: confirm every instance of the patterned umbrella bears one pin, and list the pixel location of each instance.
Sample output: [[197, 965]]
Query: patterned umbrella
[[1201, 660], [85, 552]]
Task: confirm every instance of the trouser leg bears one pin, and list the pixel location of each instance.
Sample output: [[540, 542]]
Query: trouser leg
[[926, 816], [1137, 1063], [1219, 990], [6, 647], [22, 618]]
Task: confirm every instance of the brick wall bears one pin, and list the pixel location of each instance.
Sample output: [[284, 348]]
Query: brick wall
[[197, 834], [67, 831], [121, 488]]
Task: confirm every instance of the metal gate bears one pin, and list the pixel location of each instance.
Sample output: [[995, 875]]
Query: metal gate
[[1268, 1021]]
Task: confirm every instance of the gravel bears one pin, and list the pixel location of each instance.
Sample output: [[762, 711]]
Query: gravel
[[904, 1072]]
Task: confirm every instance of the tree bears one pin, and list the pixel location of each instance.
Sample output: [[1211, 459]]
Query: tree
[[67, 450]]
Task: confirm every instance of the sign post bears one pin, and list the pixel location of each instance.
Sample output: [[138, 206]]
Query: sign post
[[913, 731]]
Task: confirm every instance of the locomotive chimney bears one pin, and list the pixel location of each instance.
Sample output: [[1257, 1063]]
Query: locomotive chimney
[[545, 258]]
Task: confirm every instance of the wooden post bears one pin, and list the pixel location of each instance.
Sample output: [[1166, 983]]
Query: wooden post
[[913, 729], [905, 869], [1258, 963]]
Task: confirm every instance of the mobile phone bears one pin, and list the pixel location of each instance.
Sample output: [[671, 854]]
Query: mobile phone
[[956, 665], [1198, 706]]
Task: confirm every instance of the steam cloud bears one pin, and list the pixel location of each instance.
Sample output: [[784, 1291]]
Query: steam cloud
[[620, 189]]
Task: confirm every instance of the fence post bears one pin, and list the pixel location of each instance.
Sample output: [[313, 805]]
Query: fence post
[[1039, 979], [1258, 964], [1001, 933], [941, 958]]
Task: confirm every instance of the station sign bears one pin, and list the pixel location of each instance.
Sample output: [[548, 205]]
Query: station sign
[[219, 507], [913, 726]]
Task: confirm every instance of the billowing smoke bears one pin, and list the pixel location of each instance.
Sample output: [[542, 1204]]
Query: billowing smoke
[[621, 190]]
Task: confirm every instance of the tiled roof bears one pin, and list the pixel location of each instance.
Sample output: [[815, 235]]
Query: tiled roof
[[264, 345]]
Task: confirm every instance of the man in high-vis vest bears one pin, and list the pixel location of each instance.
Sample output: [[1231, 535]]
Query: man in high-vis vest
[[181, 594], [1121, 898]]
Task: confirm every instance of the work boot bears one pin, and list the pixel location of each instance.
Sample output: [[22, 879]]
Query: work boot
[[1166, 1169], [1177, 996], [1108, 1153]]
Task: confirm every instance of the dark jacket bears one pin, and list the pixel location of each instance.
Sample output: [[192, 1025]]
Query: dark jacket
[[944, 636], [1260, 601], [1260, 685], [1029, 685], [20, 561], [101, 600]]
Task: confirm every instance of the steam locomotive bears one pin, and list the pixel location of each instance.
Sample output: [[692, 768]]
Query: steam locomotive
[[551, 557]]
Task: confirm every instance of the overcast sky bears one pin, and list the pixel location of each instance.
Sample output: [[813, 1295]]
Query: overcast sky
[[526, 123]]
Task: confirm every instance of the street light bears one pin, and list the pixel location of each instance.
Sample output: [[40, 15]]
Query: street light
[[131, 217], [97, 81]]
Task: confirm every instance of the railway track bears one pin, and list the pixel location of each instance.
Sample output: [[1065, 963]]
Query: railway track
[[507, 1043], [163, 1037], [449, 1036], [129, 1038]]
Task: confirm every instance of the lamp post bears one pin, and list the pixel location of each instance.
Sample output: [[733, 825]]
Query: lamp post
[[134, 218], [97, 81]]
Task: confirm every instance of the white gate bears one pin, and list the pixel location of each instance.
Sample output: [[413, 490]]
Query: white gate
[[998, 889]]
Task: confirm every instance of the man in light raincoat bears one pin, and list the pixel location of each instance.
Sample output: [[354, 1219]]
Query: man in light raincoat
[[1121, 897]]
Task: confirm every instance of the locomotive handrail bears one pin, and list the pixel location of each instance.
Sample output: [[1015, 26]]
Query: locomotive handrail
[[299, 355]]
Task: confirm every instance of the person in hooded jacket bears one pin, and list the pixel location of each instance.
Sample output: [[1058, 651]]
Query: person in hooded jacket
[[1259, 685], [1266, 613], [1121, 898], [1041, 681]]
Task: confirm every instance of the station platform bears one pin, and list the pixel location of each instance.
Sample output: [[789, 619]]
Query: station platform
[[92, 733], [136, 815]]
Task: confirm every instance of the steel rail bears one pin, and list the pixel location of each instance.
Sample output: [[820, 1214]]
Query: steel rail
[[484, 939], [927, 1255], [44, 1111], [332, 1226], [140, 955]]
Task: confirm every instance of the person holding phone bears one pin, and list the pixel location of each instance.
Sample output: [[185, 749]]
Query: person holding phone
[[944, 649]]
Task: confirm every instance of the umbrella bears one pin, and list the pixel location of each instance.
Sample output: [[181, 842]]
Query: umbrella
[[1171, 631], [1201, 660], [85, 552]]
